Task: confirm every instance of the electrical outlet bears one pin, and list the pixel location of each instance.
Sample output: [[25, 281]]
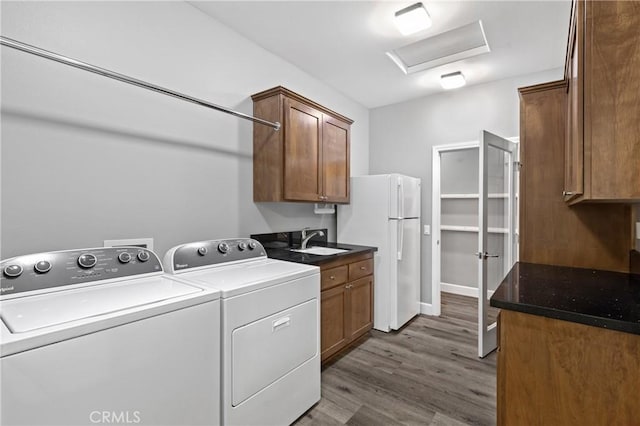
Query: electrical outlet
[[137, 242]]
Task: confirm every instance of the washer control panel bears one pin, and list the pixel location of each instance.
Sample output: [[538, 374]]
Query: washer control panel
[[70, 267], [213, 252]]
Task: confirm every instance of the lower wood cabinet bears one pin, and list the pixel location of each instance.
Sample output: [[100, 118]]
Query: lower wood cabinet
[[553, 372], [346, 306]]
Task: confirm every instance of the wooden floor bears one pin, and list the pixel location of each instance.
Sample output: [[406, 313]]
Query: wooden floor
[[427, 373]]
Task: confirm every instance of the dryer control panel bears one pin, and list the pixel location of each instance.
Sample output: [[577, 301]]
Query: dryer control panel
[[212, 252], [43, 271]]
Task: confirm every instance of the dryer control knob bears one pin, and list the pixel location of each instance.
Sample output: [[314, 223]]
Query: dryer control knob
[[223, 248], [143, 256], [42, 267], [12, 271], [242, 246], [202, 251], [252, 245], [87, 260], [124, 257]]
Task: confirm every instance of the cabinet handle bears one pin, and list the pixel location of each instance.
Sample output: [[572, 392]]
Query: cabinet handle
[[565, 193], [348, 286], [362, 268], [332, 277]]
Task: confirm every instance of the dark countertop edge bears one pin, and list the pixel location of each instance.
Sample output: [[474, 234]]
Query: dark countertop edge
[[575, 317], [524, 274], [314, 259]]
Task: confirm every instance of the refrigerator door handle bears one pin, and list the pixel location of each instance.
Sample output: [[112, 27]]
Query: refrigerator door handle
[[400, 238], [394, 208], [401, 198]]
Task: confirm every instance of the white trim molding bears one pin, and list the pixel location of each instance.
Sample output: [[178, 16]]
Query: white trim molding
[[462, 290], [427, 309]]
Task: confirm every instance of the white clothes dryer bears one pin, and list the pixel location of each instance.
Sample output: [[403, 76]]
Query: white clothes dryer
[[270, 328]]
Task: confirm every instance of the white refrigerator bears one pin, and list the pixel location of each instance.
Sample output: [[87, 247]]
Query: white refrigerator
[[385, 212]]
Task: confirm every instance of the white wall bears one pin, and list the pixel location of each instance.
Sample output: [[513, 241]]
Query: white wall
[[85, 158], [402, 135]]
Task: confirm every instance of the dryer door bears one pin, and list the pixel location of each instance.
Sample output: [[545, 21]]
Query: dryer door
[[267, 349]]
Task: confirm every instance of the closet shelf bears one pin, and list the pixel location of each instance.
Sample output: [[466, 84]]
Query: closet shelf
[[475, 229], [471, 196]]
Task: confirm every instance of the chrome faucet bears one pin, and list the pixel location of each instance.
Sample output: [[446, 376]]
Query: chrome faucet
[[306, 238]]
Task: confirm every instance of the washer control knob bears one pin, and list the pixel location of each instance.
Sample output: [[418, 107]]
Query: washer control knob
[[202, 250], [124, 257], [223, 248], [143, 256], [42, 267], [12, 271], [242, 246], [87, 260], [252, 245]]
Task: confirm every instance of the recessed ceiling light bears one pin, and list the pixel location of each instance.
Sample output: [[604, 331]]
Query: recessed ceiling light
[[412, 19], [452, 80]]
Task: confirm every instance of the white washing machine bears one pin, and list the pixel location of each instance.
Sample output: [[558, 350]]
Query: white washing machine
[[270, 328], [102, 336]]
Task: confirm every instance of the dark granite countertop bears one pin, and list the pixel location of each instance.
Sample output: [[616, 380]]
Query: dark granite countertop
[[587, 296], [278, 245], [313, 259]]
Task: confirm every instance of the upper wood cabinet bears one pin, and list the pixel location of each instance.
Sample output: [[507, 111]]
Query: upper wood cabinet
[[308, 158], [574, 157], [602, 154]]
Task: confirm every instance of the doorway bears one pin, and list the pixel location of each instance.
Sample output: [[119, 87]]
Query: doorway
[[474, 215]]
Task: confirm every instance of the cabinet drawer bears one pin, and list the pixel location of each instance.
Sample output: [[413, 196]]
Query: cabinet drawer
[[360, 269], [332, 277]]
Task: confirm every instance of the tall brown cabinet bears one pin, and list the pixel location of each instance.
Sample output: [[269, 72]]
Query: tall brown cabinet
[[580, 145]]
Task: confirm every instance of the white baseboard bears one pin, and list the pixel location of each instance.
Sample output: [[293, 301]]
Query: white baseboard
[[426, 308], [461, 290]]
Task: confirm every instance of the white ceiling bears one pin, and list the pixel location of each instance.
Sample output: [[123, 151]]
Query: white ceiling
[[343, 43]]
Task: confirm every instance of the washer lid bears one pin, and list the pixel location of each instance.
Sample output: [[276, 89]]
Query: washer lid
[[34, 312], [240, 278]]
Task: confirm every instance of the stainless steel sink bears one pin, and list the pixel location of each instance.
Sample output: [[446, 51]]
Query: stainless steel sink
[[320, 251]]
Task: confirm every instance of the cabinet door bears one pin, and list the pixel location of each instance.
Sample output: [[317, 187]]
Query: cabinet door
[[334, 333], [574, 144], [361, 306], [335, 157], [612, 104], [302, 152]]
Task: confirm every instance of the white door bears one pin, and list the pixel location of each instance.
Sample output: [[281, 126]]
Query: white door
[[496, 222]]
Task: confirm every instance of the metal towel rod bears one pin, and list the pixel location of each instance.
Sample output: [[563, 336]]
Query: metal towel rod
[[5, 41]]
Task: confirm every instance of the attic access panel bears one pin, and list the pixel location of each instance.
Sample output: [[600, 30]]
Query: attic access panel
[[450, 46]]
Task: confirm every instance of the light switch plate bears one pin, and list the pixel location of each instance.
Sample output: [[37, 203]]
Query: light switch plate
[[427, 230]]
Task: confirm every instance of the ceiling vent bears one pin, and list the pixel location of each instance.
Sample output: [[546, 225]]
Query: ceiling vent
[[454, 45]]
